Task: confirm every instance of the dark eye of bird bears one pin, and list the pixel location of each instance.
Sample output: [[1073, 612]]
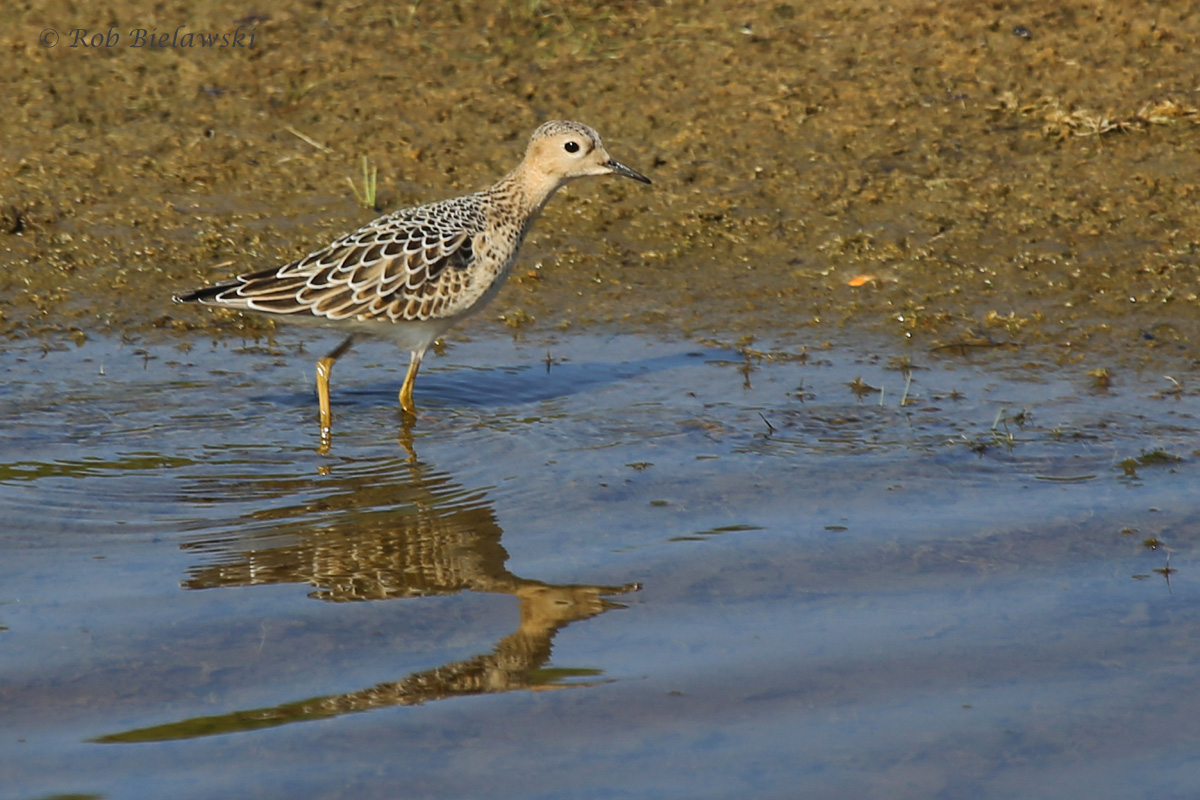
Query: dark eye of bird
[[571, 147]]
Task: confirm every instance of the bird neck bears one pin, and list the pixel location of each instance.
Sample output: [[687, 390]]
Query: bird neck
[[527, 189]]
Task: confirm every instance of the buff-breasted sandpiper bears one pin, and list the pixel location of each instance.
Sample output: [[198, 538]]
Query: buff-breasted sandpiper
[[411, 275]]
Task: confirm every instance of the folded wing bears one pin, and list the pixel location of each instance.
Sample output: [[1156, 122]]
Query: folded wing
[[406, 266]]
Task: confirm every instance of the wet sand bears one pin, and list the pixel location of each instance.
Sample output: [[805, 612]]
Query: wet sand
[[1020, 174]]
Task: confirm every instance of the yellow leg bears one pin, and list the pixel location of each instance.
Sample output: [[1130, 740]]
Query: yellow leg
[[406, 389], [324, 368]]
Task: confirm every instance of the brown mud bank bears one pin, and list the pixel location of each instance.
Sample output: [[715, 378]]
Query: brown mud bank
[[1006, 173]]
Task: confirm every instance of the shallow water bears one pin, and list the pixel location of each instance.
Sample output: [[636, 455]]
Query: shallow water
[[595, 567]]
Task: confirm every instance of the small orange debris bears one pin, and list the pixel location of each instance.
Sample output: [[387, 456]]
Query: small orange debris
[[861, 280]]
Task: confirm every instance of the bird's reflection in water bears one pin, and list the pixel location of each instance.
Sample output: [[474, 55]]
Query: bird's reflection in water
[[393, 529]]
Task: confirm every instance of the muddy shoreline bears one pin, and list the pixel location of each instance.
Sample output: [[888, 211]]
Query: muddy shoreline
[[1019, 176]]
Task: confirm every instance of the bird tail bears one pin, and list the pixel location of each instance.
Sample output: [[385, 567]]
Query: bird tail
[[204, 295]]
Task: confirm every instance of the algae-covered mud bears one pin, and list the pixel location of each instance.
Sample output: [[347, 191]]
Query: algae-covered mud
[[1010, 172]]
